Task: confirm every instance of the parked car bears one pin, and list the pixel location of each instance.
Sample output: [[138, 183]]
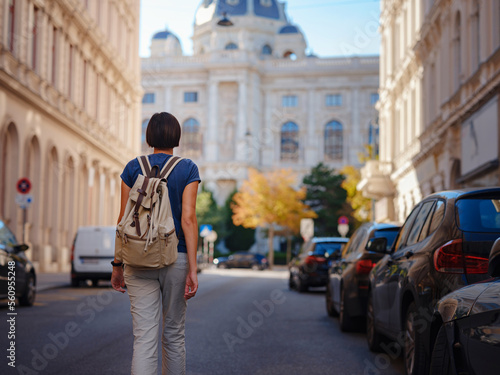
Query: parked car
[[242, 259], [92, 253], [443, 245], [468, 341], [310, 267], [14, 263], [347, 287]]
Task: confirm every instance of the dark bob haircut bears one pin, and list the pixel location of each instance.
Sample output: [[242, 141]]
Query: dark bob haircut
[[163, 131]]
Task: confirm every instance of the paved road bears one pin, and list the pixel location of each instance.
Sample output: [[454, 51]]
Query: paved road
[[241, 322]]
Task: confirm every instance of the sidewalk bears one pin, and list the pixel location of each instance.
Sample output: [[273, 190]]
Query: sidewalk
[[46, 281]]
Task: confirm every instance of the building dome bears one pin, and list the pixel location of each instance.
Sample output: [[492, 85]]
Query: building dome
[[289, 29], [165, 43], [210, 9]]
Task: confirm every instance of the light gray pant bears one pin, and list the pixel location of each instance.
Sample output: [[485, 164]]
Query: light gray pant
[[149, 291]]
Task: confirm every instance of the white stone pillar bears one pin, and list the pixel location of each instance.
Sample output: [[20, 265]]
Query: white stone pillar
[[313, 153], [211, 151], [241, 146]]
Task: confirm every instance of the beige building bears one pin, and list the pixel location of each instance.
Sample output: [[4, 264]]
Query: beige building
[[439, 101], [69, 108], [251, 95]]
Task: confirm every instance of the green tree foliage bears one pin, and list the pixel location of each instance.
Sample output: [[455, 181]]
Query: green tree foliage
[[361, 206], [238, 237], [326, 196], [207, 212]]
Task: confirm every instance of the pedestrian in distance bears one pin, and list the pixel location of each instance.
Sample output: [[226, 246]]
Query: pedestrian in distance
[[156, 289]]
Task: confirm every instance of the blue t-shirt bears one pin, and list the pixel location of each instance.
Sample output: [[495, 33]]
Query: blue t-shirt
[[183, 174]]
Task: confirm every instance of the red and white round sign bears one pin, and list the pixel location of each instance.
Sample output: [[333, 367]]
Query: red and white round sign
[[23, 186]]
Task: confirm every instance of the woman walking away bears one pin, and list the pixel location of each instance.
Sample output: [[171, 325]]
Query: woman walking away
[[159, 289]]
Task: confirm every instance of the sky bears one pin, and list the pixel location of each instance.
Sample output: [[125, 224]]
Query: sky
[[331, 27]]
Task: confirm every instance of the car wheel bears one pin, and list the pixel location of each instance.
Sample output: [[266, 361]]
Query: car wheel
[[291, 284], [301, 285], [28, 297], [414, 353], [345, 319], [441, 360], [329, 302], [372, 336], [75, 282], [95, 283], [255, 267]]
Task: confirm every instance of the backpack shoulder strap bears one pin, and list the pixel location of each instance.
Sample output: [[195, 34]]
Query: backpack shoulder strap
[[169, 166], [145, 166]]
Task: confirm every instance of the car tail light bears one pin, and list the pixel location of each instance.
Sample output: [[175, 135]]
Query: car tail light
[[311, 259], [364, 266], [73, 251], [450, 258]]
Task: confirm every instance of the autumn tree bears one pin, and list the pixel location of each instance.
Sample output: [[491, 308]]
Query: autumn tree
[[266, 200], [361, 205]]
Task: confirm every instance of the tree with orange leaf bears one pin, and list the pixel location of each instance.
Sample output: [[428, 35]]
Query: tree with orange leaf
[[266, 200]]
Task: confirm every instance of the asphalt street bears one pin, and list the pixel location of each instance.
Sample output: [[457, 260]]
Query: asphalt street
[[240, 322]]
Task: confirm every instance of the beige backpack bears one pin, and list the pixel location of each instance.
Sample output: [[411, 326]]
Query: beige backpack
[[146, 235]]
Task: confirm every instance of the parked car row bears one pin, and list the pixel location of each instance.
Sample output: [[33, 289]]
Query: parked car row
[[242, 259], [423, 285]]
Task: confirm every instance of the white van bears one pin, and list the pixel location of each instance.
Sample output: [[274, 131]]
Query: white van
[[92, 253]]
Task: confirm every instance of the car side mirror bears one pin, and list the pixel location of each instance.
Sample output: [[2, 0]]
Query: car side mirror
[[494, 264], [377, 245], [20, 247]]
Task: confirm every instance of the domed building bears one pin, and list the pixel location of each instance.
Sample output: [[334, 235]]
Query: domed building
[[253, 96]]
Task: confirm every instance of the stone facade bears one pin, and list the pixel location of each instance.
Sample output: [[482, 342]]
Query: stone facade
[[439, 102], [69, 104], [250, 96]]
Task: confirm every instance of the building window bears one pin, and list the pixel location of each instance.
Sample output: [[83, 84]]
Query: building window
[[290, 101], [289, 142], [190, 97], [333, 141], [457, 68], [191, 138], [149, 98], [267, 50], [374, 98], [144, 127], [12, 24], [290, 55], [231, 46], [33, 38], [334, 100], [54, 56]]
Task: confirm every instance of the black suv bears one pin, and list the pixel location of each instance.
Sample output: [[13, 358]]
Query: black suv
[[443, 245], [14, 263], [347, 288]]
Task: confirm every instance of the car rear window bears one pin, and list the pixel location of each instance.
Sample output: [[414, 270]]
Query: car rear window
[[478, 214], [7, 238], [390, 234], [322, 248]]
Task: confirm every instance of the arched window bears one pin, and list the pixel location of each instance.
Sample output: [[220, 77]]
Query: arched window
[[144, 126], [289, 142], [457, 53], [191, 138], [334, 140], [231, 46], [267, 50], [475, 39]]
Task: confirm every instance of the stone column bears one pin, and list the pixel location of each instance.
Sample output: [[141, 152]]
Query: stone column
[[241, 129], [211, 151], [351, 142]]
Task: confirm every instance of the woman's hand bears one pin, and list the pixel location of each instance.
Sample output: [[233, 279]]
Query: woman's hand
[[117, 280], [191, 285]]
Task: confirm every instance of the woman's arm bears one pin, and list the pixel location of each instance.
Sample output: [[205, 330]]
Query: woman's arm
[[190, 228], [117, 280]]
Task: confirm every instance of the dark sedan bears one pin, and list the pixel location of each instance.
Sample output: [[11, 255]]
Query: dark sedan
[[242, 259], [347, 288], [469, 340], [17, 274], [310, 267], [443, 245]]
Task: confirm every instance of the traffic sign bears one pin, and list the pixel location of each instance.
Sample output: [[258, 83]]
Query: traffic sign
[[343, 220], [23, 186], [205, 230], [24, 200], [212, 236], [307, 229], [343, 229]]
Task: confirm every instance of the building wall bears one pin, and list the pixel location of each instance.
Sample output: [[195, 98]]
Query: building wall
[[439, 73], [69, 108]]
